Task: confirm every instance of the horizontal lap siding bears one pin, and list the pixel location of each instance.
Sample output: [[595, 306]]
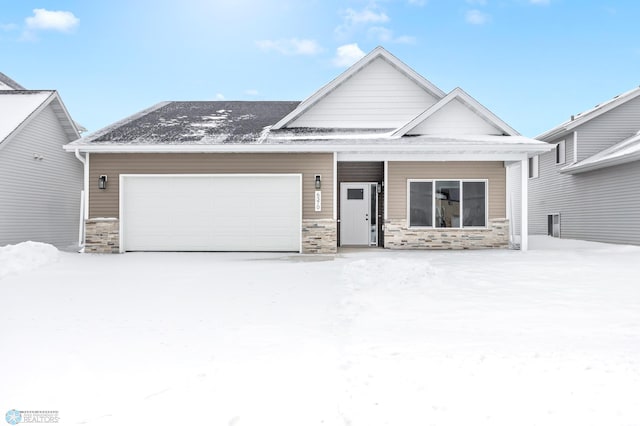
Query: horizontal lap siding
[[105, 203], [401, 171], [378, 96], [39, 199]]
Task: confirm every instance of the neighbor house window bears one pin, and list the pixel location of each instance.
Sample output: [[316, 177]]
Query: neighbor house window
[[561, 152], [447, 203], [533, 167], [553, 225]]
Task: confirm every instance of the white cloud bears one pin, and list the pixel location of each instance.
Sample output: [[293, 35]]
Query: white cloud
[[475, 17], [292, 46], [55, 20], [251, 92], [385, 35], [353, 20], [347, 55], [219, 97]]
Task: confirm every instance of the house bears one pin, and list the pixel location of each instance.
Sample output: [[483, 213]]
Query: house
[[379, 156], [40, 183], [596, 156]]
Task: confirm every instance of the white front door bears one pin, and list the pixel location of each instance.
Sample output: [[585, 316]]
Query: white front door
[[356, 225]]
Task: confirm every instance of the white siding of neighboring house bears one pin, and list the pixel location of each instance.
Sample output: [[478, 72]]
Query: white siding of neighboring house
[[39, 199], [455, 118], [378, 96]]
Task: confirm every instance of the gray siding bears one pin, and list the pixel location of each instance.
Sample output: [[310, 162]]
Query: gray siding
[[601, 205], [105, 203], [39, 199], [608, 129]]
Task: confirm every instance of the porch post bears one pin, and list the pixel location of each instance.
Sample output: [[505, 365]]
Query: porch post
[[524, 207]]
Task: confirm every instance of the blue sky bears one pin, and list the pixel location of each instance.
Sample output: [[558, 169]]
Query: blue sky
[[532, 62]]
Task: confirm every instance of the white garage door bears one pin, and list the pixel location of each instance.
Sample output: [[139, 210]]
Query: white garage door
[[210, 212]]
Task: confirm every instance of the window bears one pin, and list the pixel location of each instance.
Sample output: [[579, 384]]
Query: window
[[421, 204], [533, 167], [355, 194], [553, 225], [561, 152], [447, 203]]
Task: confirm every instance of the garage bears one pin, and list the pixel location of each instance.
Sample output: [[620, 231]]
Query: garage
[[254, 212]]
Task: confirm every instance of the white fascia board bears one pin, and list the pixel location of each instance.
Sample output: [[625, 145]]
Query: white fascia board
[[588, 115], [67, 116], [581, 168], [329, 87], [435, 148], [469, 101]]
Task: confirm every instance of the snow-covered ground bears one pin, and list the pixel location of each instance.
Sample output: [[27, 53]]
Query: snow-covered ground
[[496, 337]]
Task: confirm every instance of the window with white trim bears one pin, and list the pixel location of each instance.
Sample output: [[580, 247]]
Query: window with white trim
[[533, 167], [447, 203], [561, 152]]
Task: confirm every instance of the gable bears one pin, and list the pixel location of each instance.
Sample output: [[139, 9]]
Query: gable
[[378, 96], [16, 108], [455, 118]]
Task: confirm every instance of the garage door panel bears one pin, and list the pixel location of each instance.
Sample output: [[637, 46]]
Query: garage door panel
[[211, 212]]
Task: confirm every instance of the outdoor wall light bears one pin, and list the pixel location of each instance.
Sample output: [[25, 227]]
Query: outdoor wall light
[[318, 182], [102, 182]]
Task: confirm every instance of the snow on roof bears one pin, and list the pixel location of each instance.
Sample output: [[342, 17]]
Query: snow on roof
[[16, 106], [582, 117], [206, 122], [625, 151], [6, 83]]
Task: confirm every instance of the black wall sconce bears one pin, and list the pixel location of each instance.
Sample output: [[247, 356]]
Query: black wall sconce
[[102, 182], [318, 181]]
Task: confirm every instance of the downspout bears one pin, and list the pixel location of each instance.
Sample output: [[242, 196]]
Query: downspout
[[82, 197]]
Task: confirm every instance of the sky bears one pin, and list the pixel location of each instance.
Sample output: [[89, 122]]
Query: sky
[[531, 62]]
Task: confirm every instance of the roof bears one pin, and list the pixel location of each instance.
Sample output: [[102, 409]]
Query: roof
[[585, 116], [623, 152], [17, 107], [378, 52], [6, 83], [205, 122]]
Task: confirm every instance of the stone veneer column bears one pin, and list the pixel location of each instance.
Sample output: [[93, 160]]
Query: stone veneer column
[[319, 236], [398, 236], [102, 235]]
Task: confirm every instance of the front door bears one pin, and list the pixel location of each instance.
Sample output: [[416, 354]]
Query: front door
[[358, 203]]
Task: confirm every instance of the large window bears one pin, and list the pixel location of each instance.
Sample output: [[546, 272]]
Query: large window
[[447, 203]]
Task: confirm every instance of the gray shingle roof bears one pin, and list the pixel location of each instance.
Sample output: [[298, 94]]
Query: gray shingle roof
[[195, 123], [9, 82]]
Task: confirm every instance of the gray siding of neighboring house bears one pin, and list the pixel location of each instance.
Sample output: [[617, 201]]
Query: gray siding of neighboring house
[[611, 127], [601, 205], [39, 199]]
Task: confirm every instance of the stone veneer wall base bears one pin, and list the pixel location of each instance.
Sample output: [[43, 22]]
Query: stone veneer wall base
[[398, 236], [319, 236], [102, 235]]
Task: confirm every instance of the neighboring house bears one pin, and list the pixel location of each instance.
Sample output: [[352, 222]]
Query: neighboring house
[[596, 157], [377, 157], [40, 183]]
